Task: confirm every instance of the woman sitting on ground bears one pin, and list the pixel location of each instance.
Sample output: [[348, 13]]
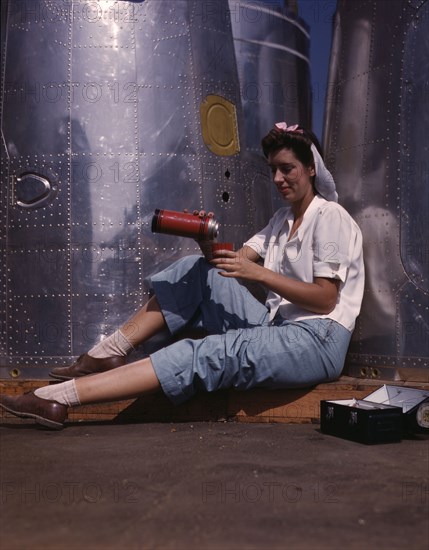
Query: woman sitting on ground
[[313, 272]]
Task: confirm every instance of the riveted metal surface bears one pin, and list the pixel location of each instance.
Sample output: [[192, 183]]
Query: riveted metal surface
[[272, 50], [103, 100], [377, 144]]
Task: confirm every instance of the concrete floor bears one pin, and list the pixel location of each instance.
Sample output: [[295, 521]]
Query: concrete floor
[[209, 486]]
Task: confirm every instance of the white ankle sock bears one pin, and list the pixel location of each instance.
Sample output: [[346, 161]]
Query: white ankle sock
[[64, 393], [113, 345]]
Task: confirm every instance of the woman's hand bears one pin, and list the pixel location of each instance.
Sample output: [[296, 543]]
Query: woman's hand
[[239, 265], [205, 246], [319, 296], [200, 213]]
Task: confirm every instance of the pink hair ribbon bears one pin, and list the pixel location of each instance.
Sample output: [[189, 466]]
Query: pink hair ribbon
[[285, 128]]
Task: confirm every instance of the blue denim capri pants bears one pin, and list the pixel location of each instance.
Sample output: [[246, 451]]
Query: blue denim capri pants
[[243, 350]]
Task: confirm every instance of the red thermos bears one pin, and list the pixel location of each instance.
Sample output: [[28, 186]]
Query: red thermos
[[185, 225]]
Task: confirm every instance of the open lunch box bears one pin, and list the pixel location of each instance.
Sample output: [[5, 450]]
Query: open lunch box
[[384, 416]]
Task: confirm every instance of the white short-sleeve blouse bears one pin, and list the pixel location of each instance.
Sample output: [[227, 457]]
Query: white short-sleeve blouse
[[328, 244]]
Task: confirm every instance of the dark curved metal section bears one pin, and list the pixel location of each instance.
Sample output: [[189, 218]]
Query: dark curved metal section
[[272, 49], [377, 143]]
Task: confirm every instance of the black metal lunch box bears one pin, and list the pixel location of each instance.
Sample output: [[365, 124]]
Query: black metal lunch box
[[384, 416]]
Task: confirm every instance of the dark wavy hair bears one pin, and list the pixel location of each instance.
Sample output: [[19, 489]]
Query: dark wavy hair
[[298, 141]]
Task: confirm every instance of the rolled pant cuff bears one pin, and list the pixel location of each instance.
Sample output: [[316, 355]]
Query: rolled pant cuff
[[168, 379]]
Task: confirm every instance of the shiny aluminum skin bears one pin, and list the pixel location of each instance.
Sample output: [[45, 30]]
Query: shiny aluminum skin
[[272, 49], [100, 119], [376, 142]]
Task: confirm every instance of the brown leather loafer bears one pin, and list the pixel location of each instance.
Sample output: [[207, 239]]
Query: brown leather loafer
[[48, 413], [87, 365]]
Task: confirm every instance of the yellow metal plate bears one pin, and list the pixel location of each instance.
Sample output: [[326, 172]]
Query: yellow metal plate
[[219, 125]]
